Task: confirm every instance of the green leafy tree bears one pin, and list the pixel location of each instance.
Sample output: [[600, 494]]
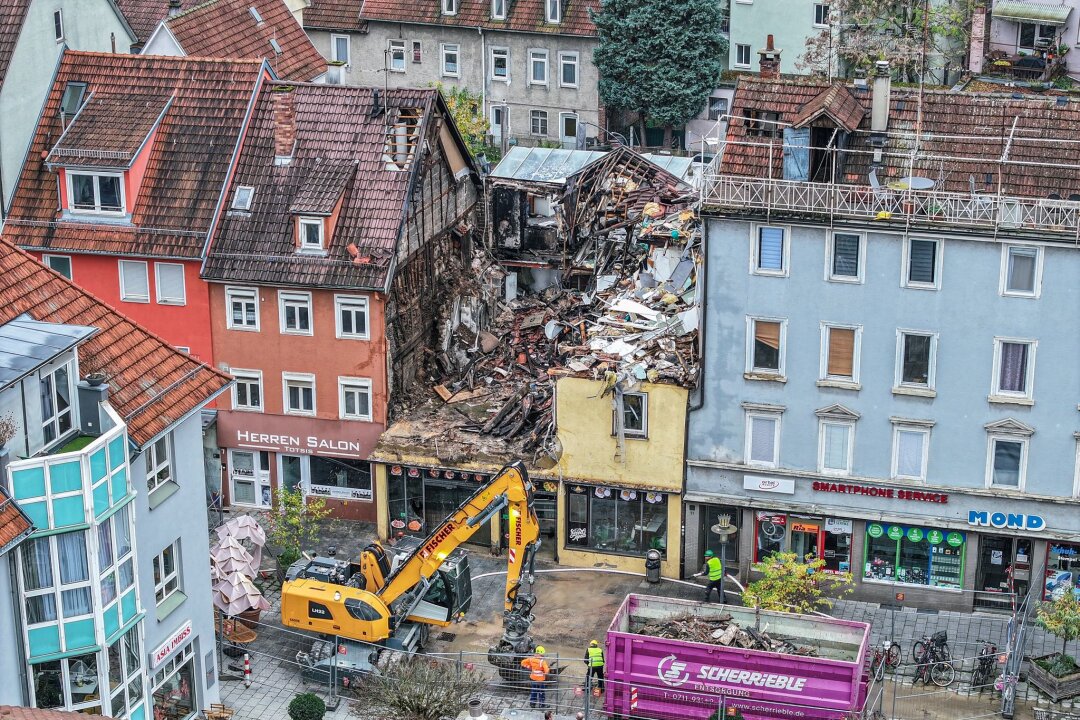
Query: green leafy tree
[[1061, 617], [294, 523], [791, 584], [659, 59], [468, 112]]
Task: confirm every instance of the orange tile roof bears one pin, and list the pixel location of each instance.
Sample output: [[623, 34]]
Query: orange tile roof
[[523, 15], [187, 165], [226, 28], [14, 524], [14, 712], [143, 16], [152, 385]]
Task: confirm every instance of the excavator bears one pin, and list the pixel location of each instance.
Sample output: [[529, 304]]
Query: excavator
[[393, 602]]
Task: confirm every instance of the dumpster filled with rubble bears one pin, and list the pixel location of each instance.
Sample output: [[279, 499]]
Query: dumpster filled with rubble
[[669, 659]]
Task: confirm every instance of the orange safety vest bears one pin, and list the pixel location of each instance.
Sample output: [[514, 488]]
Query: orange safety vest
[[538, 668]]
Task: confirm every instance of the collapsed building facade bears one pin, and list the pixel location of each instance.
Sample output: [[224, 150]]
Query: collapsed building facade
[[572, 345]]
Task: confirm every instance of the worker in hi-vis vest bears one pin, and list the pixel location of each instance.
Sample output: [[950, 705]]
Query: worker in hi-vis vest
[[594, 661], [715, 571]]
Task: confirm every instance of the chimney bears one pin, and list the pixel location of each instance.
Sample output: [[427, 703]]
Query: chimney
[[282, 99], [977, 46], [879, 103], [174, 7], [769, 60], [93, 420]]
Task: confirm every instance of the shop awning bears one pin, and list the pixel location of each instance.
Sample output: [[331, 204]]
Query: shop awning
[[1018, 11]]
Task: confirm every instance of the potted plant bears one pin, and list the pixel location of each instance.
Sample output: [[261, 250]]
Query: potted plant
[[1058, 674], [96, 378]]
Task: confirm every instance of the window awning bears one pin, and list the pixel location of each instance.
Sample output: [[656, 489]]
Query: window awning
[[1018, 11]]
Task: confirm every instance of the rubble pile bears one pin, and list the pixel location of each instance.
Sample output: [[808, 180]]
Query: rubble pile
[[721, 630]]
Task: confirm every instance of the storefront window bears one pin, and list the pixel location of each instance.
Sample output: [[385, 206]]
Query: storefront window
[[338, 478], [806, 536], [1062, 570], [616, 520], [837, 542], [405, 488], [709, 516], [914, 555], [771, 535], [174, 683]]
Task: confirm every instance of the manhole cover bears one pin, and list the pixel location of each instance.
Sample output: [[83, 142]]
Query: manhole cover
[[446, 637]]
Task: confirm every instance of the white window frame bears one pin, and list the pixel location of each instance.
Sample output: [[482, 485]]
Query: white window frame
[[340, 304], [444, 49], [751, 320], [449, 7], [294, 297], [155, 464], [498, 9], [47, 259], [243, 196], [392, 48], [59, 33], [939, 264], [501, 52], [860, 271], [96, 210], [997, 394], [538, 56], [738, 46], [241, 293], [823, 356], [563, 117], [553, 18], [642, 434], [755, 247], [125, 296], [53, 420], [817, 15], [354, 384], [1003, 280], [898, 370], [849, 427], [899, 427], [777, 417], [534, 115], [247, 377], [293, 377], [1025, 443], [569, 58], [302, 243], [162, 300], [348, 50], [162, 584]]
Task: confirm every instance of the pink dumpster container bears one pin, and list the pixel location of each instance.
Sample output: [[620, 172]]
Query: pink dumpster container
[[650, 677]]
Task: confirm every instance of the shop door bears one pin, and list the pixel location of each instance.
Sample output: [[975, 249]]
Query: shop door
[[1004, 569], [249, 473], [805, 538]]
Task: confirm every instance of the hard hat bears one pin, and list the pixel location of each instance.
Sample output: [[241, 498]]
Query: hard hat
[[709, 553], [593, 643], [540, 650]]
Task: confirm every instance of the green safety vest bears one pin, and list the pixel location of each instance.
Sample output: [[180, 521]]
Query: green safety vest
[[716, 570], [596, 657]]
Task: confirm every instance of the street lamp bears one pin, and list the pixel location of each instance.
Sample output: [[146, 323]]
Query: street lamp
[[724, 530]]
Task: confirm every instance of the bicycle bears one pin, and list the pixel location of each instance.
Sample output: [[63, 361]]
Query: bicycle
[[984, 665], [933, 667], [888, 653], [939, 642]]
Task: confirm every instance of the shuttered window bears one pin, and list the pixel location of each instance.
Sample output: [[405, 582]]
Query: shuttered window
[[845, 260], [170, 284], [841, 353], [922, 262], [134, 282], [770, 250], [763, 439], [766, 351]]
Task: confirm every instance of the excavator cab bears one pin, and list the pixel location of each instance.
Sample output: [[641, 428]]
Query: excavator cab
[[449, 592]]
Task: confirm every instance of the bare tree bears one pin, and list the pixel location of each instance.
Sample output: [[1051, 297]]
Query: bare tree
[[417, 688], [917, 37]]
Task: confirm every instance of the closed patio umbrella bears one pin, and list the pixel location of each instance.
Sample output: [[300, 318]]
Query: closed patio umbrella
[[237, 594]]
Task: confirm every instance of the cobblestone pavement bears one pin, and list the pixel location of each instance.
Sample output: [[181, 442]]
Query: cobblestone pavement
[[576, 606]]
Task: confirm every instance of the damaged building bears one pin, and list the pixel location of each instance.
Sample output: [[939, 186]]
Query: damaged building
[[574, 351]]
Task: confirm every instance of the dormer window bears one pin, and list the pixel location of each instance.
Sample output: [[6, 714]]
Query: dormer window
[[243, 197], [554, 11], [449, 7], [311, 234], [498, 9], [101, 193]]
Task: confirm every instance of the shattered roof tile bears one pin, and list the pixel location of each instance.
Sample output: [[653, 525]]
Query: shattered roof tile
[[227, 28], [187, 163]]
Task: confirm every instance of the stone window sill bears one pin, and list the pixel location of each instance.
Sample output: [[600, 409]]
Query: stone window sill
[[169, 605], [162, 493], [1010, 400], [764, 377], [915, 391], [839, 384]]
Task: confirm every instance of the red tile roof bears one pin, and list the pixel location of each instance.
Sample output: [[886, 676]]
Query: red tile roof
[[964, 135], [144, 15], [12, 13], [835, 102], [187, 166], [523, 15], [226, 28], [152, 384], [14, 525], [109, 130], [14, 712], [333, 15], [335, 131]]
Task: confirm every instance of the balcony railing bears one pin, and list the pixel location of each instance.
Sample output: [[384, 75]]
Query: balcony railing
[[923, 209]]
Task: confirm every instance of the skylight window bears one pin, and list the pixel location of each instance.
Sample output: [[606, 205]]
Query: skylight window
[[73, 97], [255, 14], [274, 44], [242, 197]]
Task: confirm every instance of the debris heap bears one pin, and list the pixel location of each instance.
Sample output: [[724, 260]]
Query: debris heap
[[721, 630]]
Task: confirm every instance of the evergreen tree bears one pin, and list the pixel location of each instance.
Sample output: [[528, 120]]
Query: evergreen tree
[[659, 58]]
